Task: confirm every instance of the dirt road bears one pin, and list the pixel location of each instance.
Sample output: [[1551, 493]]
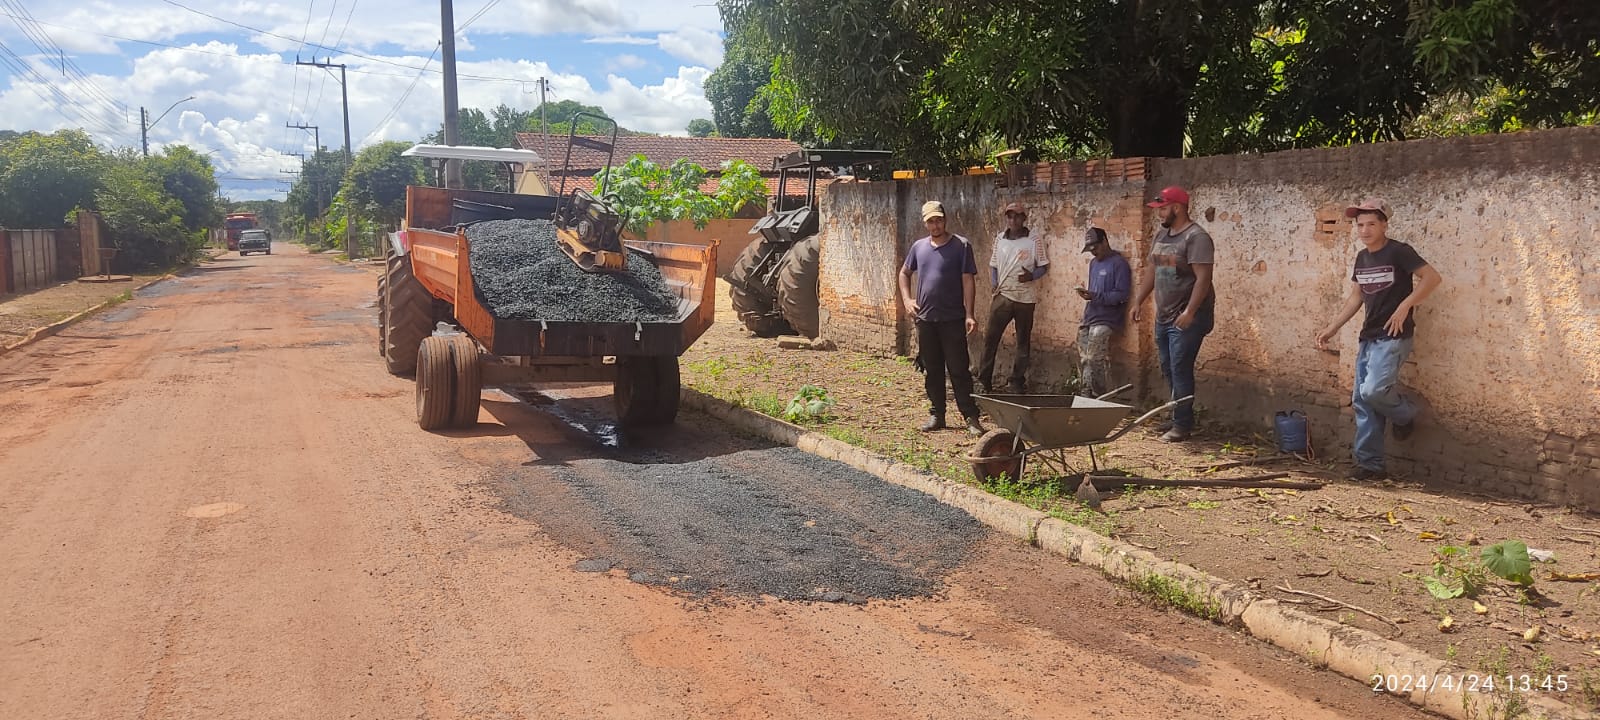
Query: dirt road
[[215, 504]]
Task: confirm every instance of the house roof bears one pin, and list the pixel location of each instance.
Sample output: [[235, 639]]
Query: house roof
[[708, 153], [708, 186]]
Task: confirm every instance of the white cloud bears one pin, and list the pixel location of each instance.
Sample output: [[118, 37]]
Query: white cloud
[[619, 40], [702, 47], [244, 95], [624, 63]]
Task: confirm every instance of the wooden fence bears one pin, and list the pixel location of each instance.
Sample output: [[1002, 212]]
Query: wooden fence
[[29, 258]]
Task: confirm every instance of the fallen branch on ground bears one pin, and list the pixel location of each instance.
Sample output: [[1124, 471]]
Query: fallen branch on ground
[[1113, 482], [1285, 588], [1242, 463], [1585, 531]]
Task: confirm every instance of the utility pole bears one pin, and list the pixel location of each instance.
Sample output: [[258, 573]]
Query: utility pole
[[452, 105], [144, 132], [544, 125], [344, 94], [316, 134]]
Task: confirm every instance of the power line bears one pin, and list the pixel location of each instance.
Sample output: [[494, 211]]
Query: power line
[[60, 100], [475, 16], [47, 46], [343, 51], [403, 97], [294, 87]]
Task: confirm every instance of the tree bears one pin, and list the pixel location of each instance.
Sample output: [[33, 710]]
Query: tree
[[936, 78], [647, 193], [313, 192], [377, 181], [145, 222], [190, 179], [734, 88], [45, 177], [701, 127]]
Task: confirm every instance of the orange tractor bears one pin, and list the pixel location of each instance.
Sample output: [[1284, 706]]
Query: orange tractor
[[429, 281]]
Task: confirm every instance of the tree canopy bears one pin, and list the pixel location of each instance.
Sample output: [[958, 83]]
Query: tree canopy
[[647, 193], [938, 79]]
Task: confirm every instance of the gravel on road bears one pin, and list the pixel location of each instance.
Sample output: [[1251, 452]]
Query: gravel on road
[[701, 511], [521, 274]]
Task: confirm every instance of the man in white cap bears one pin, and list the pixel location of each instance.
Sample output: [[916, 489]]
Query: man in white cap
[[1390, 280], [1019, 260], [942, 306]]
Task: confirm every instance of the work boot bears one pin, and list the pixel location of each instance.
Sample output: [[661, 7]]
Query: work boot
[[974, 427], [1165, 427], [1367, 474], [1175, 435], [1018, 388], [1403, 432], [935, 422]]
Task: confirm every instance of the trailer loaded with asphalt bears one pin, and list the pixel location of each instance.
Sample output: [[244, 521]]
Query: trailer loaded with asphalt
[[542, 289]]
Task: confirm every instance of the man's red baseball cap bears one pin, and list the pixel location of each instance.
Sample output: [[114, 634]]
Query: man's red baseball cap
[[1170, 196]]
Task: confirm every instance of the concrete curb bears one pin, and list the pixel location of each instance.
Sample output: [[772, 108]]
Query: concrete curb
[[1352, 652], [59, 325]]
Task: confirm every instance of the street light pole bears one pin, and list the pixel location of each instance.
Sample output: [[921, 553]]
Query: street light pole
[[144, 128]]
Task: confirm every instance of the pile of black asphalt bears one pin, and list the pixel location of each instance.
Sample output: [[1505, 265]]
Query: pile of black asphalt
[[521, 274]]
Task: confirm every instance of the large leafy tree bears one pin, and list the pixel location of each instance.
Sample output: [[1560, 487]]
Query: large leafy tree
[[734, 88], [189, 178], [937, 78], [647, 193], [377, 181], [146, 222], [45, 177]]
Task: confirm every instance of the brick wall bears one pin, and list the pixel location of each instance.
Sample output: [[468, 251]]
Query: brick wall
[[1508, 351]]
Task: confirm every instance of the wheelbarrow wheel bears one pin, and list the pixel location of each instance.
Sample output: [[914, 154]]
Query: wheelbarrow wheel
[[995, 454]]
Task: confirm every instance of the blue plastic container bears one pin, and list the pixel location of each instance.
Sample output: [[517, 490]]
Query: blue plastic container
[[1292, 431]]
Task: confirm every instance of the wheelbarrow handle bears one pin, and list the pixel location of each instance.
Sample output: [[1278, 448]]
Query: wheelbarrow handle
[[1145, 417], [1116, 392]]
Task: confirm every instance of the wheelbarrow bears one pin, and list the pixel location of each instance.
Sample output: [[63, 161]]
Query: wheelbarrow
[[1041, 428]]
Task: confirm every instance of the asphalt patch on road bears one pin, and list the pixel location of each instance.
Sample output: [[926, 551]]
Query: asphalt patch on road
[[702, 512], [521, 274]]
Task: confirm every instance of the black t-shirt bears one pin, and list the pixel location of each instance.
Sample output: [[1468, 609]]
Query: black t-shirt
[[1385, 280]]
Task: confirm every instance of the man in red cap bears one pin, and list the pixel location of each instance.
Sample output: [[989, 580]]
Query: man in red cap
[[1390, 279], [1018, 261], [1179, 273]]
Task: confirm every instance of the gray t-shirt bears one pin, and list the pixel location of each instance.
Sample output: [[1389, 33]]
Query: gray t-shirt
[[1172, 254]]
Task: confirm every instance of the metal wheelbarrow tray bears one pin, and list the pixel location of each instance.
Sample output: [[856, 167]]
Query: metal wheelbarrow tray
[[1032, 425]]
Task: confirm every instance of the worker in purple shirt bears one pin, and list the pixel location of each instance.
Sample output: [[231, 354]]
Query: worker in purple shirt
[[1110, 283], [941, 301]]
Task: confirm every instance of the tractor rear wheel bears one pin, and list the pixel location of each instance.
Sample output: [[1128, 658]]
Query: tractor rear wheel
[[797, 286], [469, 381], [436, 374], [408, 316], [383, 313], [754, 303]]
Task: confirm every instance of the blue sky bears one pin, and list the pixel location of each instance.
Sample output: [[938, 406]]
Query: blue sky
[[643, 61]]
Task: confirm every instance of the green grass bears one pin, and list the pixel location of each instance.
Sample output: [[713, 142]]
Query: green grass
[[1204, 505], [1172, 593], [847, 435]]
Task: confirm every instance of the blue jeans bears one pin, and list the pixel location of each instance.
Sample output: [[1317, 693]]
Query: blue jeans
[[1178, 350], [1377, 399]]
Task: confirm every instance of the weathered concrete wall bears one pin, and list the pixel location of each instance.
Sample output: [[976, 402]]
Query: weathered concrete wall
[[1508, 351], [862, 254]]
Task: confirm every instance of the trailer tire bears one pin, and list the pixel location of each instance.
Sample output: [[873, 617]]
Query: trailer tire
[[408, 316], [468, 381], [754, 303], [645, 391], [668, 389], [797, 286], [436, 373]]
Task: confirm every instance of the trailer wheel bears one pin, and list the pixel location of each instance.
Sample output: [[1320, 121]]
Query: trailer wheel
[[994, 455], [436, 372], [668, 389], [408, 316], [638, 394], [469, 381], [754, 303], [797, 286]]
